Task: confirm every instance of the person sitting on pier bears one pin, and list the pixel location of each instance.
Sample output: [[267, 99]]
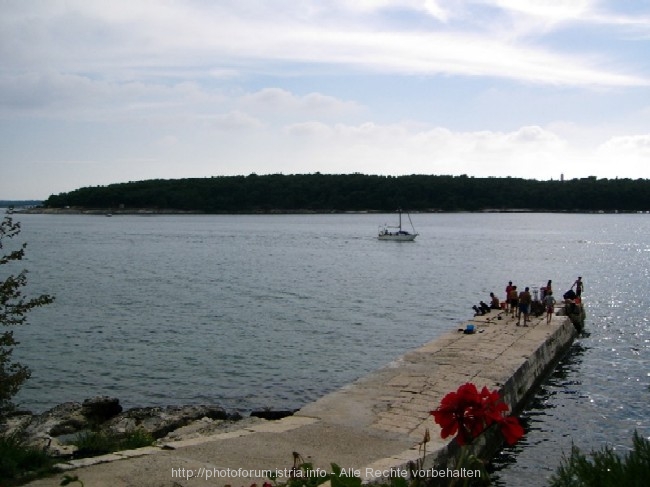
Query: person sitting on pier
[[537, 308], [544, 290], [494, 302], [570, 295]]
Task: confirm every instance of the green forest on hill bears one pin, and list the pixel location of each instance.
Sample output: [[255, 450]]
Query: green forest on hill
[[358, 192]]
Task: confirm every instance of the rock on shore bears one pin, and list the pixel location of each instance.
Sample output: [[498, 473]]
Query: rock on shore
[[50, 429]]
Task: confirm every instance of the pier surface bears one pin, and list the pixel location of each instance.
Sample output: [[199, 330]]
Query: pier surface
[[369, 427]]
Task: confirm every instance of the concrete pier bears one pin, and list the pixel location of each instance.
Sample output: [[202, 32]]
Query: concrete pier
[[372, 427]]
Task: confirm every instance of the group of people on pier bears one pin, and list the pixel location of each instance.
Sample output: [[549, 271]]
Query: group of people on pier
[[521, 303]]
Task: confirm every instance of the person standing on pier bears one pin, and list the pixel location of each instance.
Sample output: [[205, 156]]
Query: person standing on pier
[[524, 306], [579, 285], [549, 303], [513, 300]]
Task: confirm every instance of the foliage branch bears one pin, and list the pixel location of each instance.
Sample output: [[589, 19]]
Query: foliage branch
[[14, 307]]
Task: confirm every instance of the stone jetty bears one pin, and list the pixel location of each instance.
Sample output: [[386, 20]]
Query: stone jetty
[[372, 428]]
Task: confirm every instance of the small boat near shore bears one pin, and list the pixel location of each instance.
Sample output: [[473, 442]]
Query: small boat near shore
[[395, 232]]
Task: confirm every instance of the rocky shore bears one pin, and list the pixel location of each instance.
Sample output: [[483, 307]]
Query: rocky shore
[[53, 429]]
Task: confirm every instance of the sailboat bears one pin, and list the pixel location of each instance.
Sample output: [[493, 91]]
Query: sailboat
[[397, 233]]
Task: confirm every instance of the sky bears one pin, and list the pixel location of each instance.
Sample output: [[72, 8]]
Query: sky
[[95, 92]]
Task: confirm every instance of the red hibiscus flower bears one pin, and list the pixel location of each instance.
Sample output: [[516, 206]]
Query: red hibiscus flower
[[511, 429], [467, 413], [461, 413]]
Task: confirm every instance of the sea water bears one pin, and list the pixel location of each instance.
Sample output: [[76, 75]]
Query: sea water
[[274, 311]]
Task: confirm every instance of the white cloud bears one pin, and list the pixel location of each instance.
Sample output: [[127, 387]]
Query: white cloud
[[167, 141], [234, 120], [551, 11], [309, 129], [47, 90], [312, 103], [114, 39], [429, 7], [401, 149], [72, 96], [637, 146]]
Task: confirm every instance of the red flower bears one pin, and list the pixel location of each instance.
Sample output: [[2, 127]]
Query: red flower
[[511, 429], [460, 413], [493, 407], [467, 413]]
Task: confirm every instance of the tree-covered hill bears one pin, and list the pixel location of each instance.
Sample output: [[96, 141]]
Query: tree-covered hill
[[325, 193]]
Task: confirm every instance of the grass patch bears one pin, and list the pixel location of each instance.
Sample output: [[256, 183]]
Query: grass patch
[[605, 468], [20, 463], [94, 443]]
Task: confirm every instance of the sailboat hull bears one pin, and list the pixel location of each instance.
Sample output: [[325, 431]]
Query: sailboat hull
[[409, 237]]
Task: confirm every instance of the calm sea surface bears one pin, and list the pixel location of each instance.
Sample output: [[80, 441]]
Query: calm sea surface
[[275, 311]]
